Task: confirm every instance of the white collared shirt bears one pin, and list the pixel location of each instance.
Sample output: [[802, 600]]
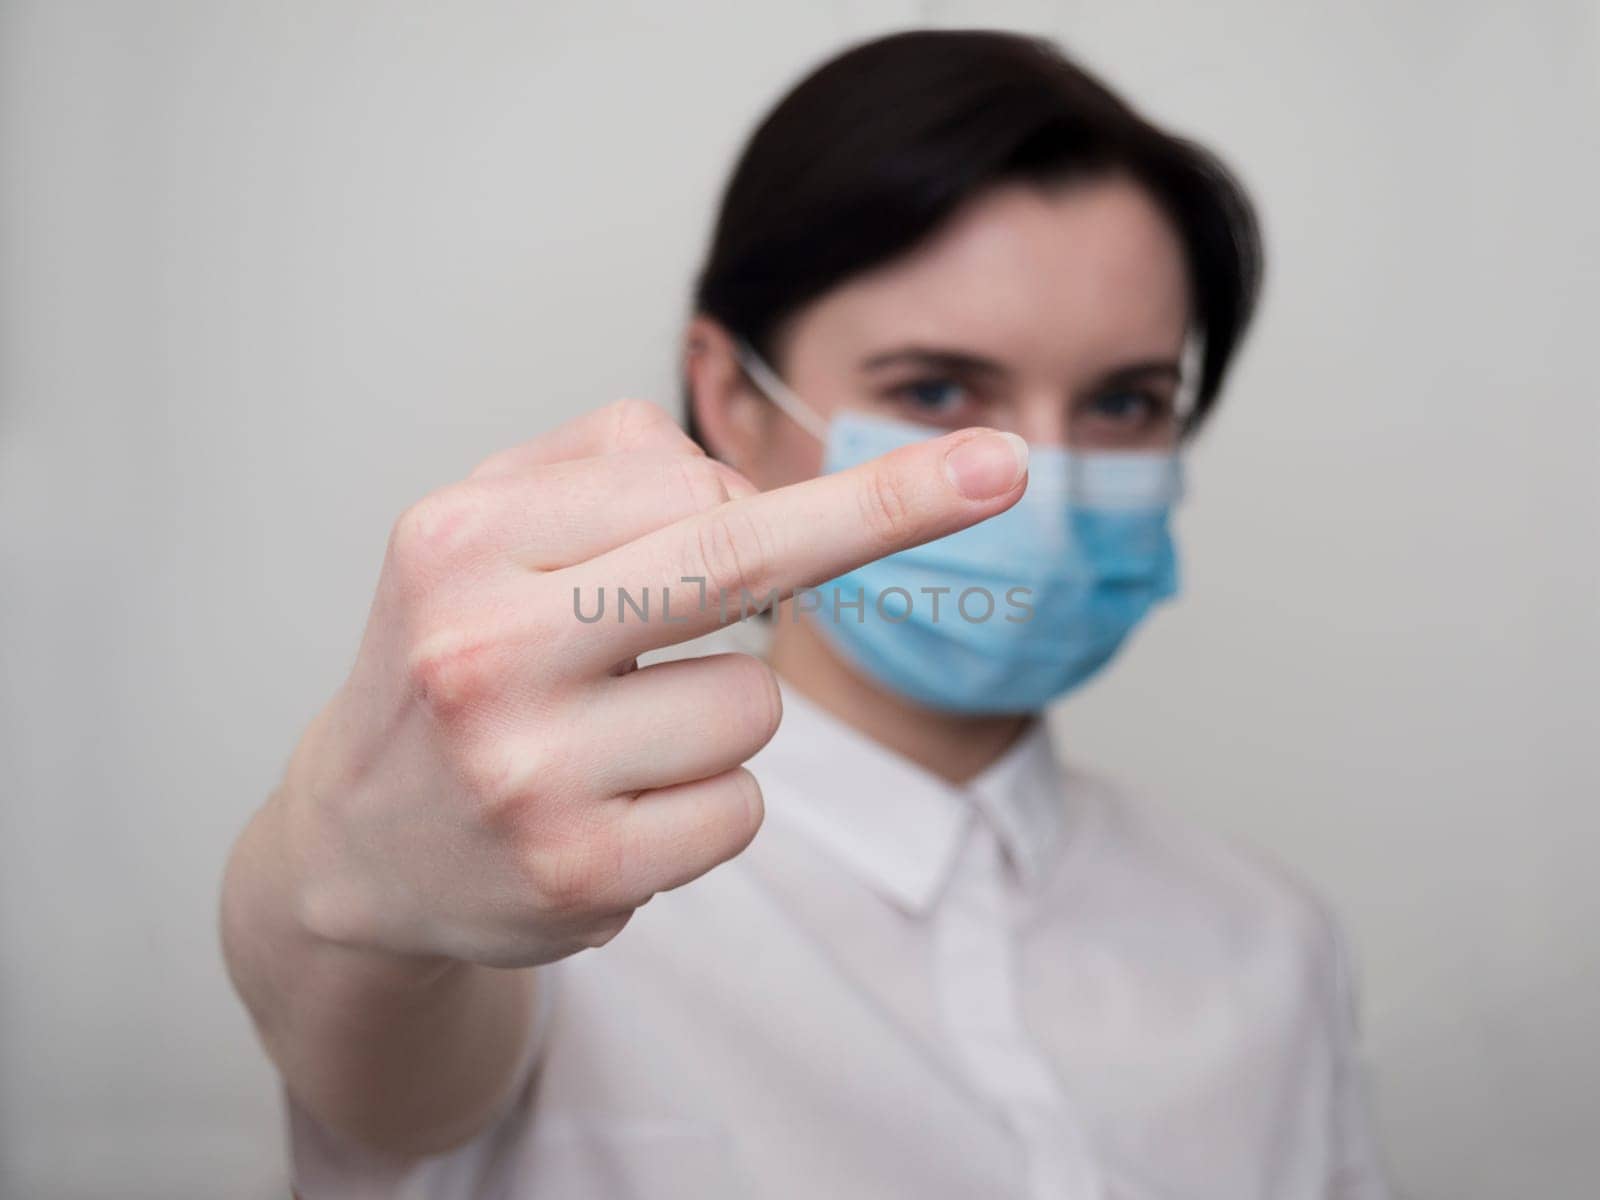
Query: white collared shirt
[[1031, 987]]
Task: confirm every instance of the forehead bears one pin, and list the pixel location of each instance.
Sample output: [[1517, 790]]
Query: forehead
[[1079, 273]]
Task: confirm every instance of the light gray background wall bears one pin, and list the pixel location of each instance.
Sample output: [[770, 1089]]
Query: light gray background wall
[[271, 271]]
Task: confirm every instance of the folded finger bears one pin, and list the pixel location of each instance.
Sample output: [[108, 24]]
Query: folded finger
[[676, 722], [624, 426]]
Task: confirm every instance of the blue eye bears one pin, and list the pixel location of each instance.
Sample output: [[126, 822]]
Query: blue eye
[[933, 395], [1127, 407]]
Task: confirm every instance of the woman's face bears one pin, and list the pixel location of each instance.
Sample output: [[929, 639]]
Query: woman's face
[[1058, 314]]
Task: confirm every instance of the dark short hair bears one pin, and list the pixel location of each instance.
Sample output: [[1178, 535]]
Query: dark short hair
[[875, 149]]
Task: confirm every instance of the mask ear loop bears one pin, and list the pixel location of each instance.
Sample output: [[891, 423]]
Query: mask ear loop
[[775, 390], [1189, 361], [1194, 347]]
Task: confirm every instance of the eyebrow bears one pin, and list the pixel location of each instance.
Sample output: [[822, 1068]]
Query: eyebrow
[[933, 358], [1166, 368]]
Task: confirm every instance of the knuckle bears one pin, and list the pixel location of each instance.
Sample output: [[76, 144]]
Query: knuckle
[[886, 510], [702, 483], [435, 530], [580, 875], [496, 464], [633, 421], [451, 673], [564, 882], [733, 553], [519, 787], [598, 935]]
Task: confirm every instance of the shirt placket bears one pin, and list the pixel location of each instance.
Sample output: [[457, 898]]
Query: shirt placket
[[975, 961]]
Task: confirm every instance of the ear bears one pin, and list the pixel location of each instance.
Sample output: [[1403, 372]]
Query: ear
[[729, 414]]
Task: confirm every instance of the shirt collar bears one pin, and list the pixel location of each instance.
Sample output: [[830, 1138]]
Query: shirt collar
[[1021, 796], [895, 824]]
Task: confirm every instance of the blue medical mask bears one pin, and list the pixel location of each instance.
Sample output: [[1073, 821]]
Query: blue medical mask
[[1013, 612]]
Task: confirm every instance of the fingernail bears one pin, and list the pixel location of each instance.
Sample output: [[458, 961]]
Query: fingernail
[[988, 465]]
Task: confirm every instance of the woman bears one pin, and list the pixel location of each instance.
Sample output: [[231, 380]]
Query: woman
[[962, 309]]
